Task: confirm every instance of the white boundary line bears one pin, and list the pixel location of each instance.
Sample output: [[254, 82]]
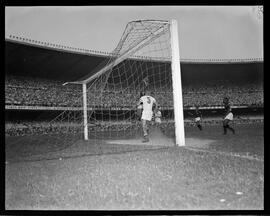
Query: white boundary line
[[224, 154]]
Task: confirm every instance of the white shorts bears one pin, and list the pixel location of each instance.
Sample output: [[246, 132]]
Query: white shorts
[[229, 116], [147, 115], [197, 119], [157, 120]]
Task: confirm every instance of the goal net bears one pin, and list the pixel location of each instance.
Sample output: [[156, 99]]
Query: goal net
[[146, 58]]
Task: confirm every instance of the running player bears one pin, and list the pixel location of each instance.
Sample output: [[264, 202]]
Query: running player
[[148, 105], [197, 117], [228, 116]]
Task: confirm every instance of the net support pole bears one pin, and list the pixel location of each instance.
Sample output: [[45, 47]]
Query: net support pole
[[177, 86], [85, 124]]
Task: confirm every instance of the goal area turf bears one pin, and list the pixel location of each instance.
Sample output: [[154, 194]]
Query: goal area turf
[[248, 141], [218, 173]]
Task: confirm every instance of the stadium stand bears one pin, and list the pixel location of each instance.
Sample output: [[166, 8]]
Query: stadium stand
[[41, 92], [54, 65]]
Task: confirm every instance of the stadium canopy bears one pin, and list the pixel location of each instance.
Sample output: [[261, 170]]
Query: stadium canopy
[[57, 63], [25, 57]]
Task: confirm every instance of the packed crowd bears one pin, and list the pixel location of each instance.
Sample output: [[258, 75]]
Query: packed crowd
[[40, 92]]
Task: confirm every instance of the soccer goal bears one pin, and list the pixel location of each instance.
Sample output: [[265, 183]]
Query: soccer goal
[[146, 58]]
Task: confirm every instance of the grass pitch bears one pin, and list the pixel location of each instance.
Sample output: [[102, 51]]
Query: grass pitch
[[128, 177]]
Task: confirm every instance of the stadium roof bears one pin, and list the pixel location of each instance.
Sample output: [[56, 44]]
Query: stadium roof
[[52, 61], [46, 62]]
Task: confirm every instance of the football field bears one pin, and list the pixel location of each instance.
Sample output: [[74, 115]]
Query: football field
[[213, 171], [248, 140]]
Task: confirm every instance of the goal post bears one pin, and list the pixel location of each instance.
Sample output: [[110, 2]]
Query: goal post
[[146, 57], [175, 72], [177, 86]]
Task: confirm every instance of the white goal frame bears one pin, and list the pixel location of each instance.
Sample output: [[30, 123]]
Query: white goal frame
[[176, 81], [177, 86]]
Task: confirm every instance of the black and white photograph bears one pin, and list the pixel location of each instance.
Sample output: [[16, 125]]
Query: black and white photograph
[[126, 108]]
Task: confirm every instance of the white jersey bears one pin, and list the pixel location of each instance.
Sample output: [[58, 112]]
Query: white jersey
[[229, 116], [147, 102]]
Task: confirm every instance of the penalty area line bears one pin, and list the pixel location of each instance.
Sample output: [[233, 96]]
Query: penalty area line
[[224, 153]]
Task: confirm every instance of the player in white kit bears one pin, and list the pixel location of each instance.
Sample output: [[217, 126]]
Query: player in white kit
[[149, 105]]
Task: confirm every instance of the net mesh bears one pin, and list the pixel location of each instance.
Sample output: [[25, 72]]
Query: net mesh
[[140, 61]]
